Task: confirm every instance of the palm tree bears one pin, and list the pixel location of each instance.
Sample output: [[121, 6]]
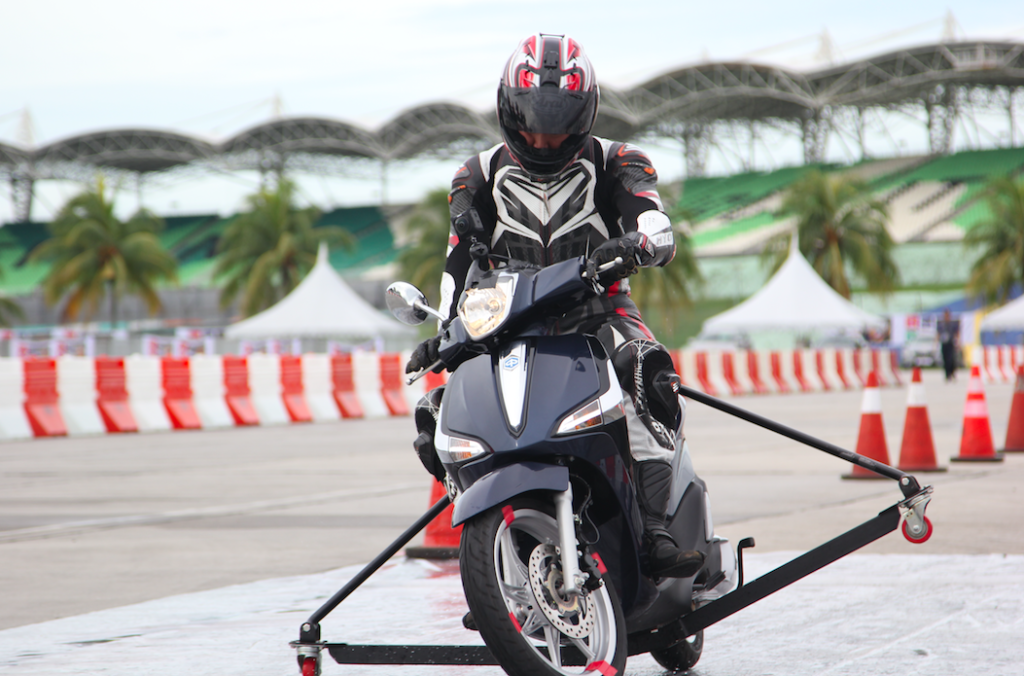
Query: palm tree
[[94, 254], [838, 222], [429, 227], [1001, 239], [671, 287], [9, 310], [267, 250]]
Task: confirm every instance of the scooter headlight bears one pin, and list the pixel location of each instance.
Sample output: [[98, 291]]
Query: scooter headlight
[[483, 311], [460, 449]]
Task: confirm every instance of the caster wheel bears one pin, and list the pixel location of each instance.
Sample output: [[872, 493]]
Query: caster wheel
[[923, 538], [309, 667]]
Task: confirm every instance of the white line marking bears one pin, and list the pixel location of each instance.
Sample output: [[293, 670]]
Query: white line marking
[[76, 527]]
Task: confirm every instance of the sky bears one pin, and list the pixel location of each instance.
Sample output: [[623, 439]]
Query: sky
[[213, 68]]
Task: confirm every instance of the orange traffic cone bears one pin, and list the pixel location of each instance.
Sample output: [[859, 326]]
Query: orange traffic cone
[[1015, 430], [871, 435], [976, 438], [917, 452], [440, 540]]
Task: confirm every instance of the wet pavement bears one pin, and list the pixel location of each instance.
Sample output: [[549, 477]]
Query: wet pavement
[[928, 615], [202, 552]]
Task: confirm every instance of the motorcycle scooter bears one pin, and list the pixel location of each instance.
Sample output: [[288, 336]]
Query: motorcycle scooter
[[530, 440], [532, 444]]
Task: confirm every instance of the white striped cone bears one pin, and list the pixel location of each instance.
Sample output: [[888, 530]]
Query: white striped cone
[[917, 450], [976, 437], [871, 435]]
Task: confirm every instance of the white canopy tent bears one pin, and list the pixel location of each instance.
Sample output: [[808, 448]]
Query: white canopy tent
[[321, 306], [1010, 317], [795, 299]]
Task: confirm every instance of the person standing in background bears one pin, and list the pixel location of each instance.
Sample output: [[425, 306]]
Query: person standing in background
[[948, 332]]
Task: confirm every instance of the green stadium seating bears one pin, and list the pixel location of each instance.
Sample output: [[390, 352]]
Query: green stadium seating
[[709, 197], [734, 228]]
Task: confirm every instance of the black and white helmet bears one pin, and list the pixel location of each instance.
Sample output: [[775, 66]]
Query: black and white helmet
[[548, 87]]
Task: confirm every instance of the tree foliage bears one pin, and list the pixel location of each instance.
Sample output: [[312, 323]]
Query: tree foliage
[[671, 288], [838, 222], [267, 250], [9, 310], [422, 263], [94, 255], [1000, 238]]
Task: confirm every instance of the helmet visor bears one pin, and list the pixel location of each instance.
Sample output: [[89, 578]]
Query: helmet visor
[[547, 110]]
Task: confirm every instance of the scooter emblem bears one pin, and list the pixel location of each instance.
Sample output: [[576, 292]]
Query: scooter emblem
[[510, 363]]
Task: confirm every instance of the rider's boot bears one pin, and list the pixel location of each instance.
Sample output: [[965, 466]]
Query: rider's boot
[[654, 482]]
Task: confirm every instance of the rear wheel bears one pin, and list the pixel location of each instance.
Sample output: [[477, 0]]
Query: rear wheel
[[511, 573], [681, 656]]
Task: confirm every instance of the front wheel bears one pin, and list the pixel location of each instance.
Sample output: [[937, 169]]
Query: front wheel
[[511, 573]]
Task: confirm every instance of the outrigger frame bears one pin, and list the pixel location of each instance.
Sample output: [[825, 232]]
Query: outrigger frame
[[911, 510]]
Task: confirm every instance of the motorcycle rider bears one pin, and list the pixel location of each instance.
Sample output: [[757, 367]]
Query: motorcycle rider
[[550, 192]]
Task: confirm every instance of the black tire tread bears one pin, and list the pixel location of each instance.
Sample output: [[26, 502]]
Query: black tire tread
[[682, 656]]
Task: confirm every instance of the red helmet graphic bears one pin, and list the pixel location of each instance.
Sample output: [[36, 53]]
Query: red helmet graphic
[[548, 87]]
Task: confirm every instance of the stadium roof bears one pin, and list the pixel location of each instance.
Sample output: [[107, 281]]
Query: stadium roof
[[683, 103]]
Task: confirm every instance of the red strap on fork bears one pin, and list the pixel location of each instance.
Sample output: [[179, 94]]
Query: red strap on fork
[[602, 667]]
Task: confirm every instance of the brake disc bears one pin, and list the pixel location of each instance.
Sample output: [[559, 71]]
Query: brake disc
[[571, 615]]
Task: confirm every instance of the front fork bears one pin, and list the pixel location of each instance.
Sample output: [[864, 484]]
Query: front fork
[[572, 578]]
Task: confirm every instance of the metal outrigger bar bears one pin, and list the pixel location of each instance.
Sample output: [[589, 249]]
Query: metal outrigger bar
[[909, 512]]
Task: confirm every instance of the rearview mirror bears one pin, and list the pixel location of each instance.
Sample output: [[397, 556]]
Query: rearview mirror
[[408, 304]]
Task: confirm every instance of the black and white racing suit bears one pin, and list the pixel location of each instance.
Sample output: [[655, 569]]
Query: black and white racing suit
[[608, 191]]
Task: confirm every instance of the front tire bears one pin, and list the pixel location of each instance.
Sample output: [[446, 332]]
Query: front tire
[[511, 574]]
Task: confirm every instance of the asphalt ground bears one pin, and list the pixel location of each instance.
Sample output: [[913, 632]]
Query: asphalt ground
[[89, 524]]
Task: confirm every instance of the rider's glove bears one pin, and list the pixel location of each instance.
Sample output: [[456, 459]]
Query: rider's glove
[[635, 250], [424, 355]]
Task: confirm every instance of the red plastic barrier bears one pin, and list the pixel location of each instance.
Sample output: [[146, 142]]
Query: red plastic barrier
[[729, 373], [435, 380], [894, 366], [876, 366], [112, 395], [345, 386], [677, 363], [41, 397], [780, 380], [858, 369], [841, 371], [702, 374], [819, 363], [236, 391], [178, 393], [292, 391], [755, 376], [798, 372], [391, 384]]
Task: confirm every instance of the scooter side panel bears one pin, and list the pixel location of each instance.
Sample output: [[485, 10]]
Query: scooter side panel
[[506, 482], [675, 595]]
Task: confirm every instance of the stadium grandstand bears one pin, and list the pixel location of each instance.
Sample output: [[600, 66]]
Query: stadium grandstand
[[932, 197]]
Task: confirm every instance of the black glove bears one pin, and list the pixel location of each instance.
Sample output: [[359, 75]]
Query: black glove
[[634, 249], [424, 355]]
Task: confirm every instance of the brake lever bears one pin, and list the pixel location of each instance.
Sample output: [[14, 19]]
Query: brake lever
[[604, 268], [413, 378]]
